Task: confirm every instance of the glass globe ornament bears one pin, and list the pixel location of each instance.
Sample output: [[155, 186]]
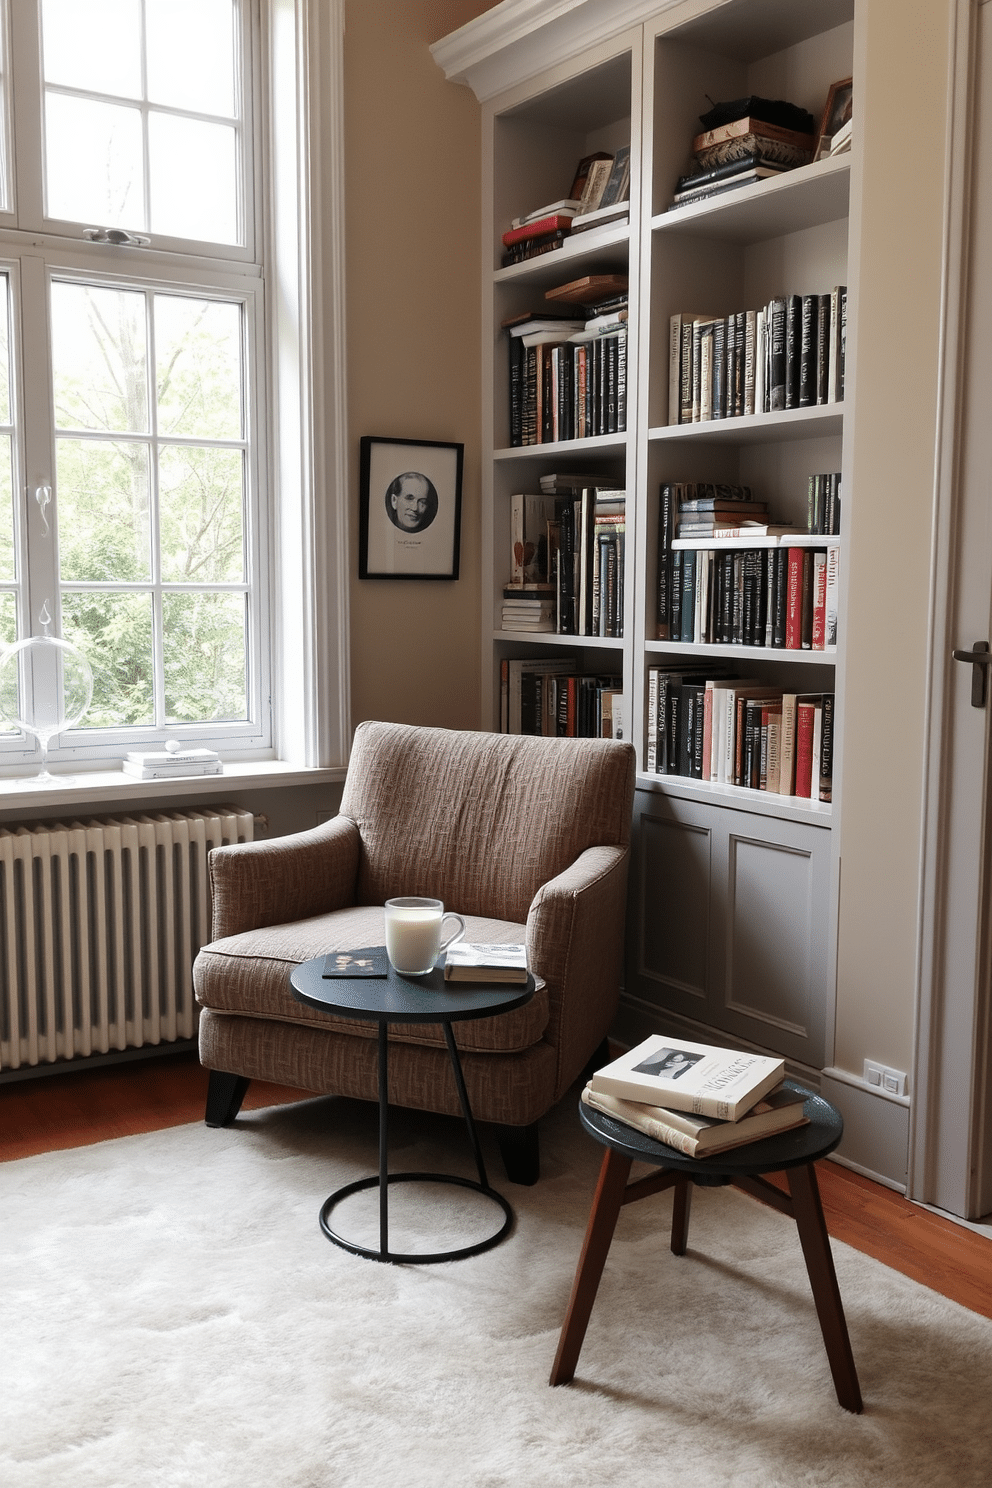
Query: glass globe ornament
[[46, 685]]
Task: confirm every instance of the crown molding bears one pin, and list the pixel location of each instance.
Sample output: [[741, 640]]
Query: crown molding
[[519, 38]]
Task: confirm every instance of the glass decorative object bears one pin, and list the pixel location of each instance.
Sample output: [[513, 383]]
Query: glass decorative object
[[46, 685]]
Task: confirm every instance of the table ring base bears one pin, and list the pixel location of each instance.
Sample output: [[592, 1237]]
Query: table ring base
[[393, 1257]]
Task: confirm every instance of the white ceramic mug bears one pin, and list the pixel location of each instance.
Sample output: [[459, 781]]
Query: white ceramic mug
[[413, 934]]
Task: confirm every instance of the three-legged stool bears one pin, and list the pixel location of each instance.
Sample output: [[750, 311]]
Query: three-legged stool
[[793, 1152]]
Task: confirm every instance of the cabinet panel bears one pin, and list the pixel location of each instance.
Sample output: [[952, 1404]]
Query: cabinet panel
[[728, 922]]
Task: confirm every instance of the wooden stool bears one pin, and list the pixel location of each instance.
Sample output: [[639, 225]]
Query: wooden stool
[[793, 1152]]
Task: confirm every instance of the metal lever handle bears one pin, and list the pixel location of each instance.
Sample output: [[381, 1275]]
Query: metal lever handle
[[980, 657]]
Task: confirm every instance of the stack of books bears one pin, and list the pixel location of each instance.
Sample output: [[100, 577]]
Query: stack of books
[[696, 1098], [753, 146], [166, 764], [529, 609], [468, 961]]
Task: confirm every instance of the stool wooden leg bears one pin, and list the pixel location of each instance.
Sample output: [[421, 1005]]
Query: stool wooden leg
[[808, 1213], [680, 1215], [606, 1206]]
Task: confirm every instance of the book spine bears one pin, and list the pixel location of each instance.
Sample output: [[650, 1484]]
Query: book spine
[[794, 600], [750, 360], [793, 348], [666, 523], [685, 373], [805, 717], [806, 621], [718, 402], [622, 382], [807, 350], [516, 376], [831, 595], [517, 538], [826, 748], [688, 596], [819, 600], [776, 355], [787, 763], [822, 347], [706, 373], [675, 369]]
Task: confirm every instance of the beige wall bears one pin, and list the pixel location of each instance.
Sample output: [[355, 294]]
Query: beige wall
[[412, 222], [906, 46]]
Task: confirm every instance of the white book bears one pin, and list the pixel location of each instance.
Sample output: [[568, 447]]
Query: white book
[[684, 1076], [152, 757], [833, 594], [470, 961], [169, 772]]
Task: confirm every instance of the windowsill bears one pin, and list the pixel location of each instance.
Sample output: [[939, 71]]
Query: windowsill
[[98, 789]]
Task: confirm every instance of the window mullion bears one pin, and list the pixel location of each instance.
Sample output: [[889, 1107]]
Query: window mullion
[[40, 525], [27, 113]]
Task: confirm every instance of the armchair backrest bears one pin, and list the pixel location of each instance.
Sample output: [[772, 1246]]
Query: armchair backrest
[[480, 820]]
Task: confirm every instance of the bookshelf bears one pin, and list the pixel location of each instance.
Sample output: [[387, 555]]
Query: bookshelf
[[733, 890]]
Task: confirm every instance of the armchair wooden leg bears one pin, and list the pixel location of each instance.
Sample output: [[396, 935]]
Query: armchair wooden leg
[[603, 1216], [520, 1150], [808, 1213], [224, 1096]]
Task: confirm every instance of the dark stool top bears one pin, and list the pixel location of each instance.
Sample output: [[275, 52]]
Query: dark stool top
[[790, 1149]]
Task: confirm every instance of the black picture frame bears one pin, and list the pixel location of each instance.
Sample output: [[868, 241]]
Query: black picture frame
[[410, 508]]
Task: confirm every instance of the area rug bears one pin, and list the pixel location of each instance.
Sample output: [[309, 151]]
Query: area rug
[[173, 1317]]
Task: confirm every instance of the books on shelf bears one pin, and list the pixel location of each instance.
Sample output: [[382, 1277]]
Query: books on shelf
[[782, 1109], [684, 1076], [790, 353], [567, 206], [567, 384], [552, 698], [602, 217], [587, 557], [722, 178], [710, 726], [470, 961]]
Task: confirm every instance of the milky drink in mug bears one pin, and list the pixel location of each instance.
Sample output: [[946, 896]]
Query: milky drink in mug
[[413, 934]]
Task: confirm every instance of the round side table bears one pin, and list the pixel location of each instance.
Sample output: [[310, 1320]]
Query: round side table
[[404, 999], [792, 1152]]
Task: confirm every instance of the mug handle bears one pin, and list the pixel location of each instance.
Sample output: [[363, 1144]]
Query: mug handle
[[457, 934]]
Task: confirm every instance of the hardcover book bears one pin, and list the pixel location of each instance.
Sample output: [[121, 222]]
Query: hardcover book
[[684, 1076], [703, 1136], [468, 961]]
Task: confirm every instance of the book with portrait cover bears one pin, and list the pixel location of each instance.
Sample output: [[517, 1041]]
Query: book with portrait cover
[[702, 1136], [369, 962], [683, 1076]]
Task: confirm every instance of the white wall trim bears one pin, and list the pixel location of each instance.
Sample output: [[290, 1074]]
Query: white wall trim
[[311, 691], [520, 38]]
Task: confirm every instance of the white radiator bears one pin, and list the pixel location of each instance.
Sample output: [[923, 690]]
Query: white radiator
[[100, 921]]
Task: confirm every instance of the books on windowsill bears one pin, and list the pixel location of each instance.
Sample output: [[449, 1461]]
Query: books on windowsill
[[683, 1076], [162, 764], [467, 961], [703, 1136]]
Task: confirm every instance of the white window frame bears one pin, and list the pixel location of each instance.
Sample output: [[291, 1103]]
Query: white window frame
[[305, 696]]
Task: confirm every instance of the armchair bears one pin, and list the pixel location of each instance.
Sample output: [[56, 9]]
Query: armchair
[[527, 838]]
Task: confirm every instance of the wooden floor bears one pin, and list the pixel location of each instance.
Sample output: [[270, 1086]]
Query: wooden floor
[[91, 1105]]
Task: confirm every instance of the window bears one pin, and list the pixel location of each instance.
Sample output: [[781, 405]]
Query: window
[[133, 506]]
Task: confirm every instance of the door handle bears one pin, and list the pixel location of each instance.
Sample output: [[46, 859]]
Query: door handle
[[980, 657]]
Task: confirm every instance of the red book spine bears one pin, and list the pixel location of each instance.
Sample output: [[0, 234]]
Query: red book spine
[[794, 602], [805, 715], [557, 222]]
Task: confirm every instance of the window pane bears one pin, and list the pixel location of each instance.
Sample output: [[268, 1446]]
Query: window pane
[[193, 179], [205, 657], [115, 632], [191, 54], [99, 359], [198, 361], [95, 46], [93, 162], [104, 529], [8, 634], [201, 505], [8, 556]]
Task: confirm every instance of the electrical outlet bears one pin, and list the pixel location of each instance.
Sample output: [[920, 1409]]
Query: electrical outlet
[[883, 1079]]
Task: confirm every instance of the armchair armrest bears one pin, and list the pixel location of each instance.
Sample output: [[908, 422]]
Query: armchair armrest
[[575, 941], [254, 884]]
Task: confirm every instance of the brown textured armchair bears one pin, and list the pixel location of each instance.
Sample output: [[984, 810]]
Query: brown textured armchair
[[527, 838]]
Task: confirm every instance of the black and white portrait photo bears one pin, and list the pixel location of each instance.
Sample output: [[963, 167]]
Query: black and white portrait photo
[[668, 1063], [410, 511]]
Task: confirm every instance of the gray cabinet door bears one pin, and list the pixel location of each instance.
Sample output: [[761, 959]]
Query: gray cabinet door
[[728, 919]]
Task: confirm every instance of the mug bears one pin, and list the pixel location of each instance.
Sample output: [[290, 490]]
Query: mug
[[413, 934]]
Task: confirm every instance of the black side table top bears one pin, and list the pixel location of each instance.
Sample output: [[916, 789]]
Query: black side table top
[[405, 999], [789, 1149]]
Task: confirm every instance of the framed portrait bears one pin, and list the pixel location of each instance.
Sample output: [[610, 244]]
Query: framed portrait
[[410, 508], [836, 112]]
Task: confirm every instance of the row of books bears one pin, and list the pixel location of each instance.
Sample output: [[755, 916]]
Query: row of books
[[568, 384], [788, 354], [740, 151], [737, 731], [599, 191], [697, 1098], [552, 698], [781, 597]]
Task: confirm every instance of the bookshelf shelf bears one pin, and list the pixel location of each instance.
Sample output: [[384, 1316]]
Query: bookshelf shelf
[[799, 199], [733, 889]]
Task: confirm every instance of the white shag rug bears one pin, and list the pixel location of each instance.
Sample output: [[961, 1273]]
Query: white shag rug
[[172, 1317]]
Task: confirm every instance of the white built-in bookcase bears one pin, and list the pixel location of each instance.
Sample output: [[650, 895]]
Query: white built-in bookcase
[[733, 892]]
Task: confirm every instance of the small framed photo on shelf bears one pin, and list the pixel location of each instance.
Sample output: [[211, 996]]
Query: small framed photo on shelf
[[410, 502], [836, 113]]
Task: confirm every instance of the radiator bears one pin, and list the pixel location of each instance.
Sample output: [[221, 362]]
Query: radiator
[[100, 921]]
